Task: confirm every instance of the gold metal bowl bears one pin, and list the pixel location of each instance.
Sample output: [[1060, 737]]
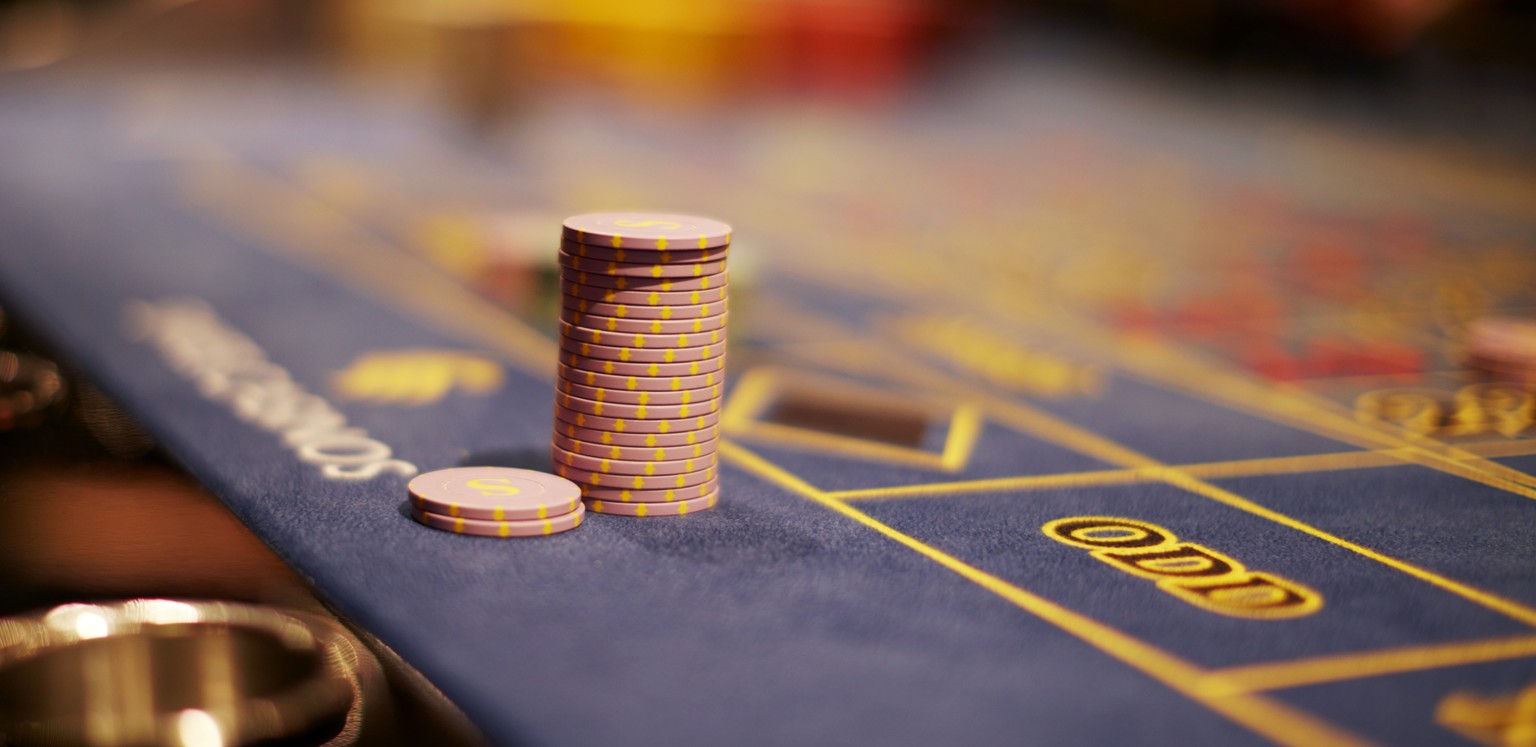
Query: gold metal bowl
[[183, 674]]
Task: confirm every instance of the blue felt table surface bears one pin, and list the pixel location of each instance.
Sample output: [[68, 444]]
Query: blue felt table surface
[[776, 618]]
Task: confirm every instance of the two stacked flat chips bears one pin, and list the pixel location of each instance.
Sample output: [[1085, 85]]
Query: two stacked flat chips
[[496, 502], [642, 361]]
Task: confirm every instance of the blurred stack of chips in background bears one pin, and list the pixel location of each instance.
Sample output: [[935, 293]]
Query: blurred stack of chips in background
[[1504, 348], [642, 361]]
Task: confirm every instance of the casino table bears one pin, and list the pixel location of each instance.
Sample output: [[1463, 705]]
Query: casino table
[[1066, 404]]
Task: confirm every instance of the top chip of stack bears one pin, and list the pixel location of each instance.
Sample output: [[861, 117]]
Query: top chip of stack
[[1503, 347], [650, 231], [642, 354]]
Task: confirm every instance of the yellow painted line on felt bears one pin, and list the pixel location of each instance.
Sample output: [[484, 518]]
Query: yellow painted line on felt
[[1332, 462], [1261, 715], [1023, 482], [1300, 409], [1506, 607], [790, 435], [1065, 434], [1236, 468], [1209, 381], [1053, 429], [1050, 427], [1048, 424], [1522, 447], [303, 228], [1335, 668], [756, 389], [960, 443]]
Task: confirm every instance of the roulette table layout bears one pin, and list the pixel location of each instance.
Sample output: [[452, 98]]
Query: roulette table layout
[[1055, 412]]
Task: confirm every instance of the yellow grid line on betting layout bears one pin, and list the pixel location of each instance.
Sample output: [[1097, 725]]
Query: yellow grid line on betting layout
[[1261, 715], [1335, 668], [1266, 466], [1054, 430], [1210, 382], [754, 392], [1206, 380]]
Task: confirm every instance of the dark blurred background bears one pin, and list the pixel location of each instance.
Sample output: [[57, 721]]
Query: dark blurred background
[[1467, 58]]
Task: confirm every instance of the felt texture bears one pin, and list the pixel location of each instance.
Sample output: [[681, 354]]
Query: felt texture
[[773, 619]]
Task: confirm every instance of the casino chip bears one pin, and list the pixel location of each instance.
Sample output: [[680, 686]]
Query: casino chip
[[495, 501], [659, 508], [642, 363], [1503, 348], [488, 528], [646, 231]]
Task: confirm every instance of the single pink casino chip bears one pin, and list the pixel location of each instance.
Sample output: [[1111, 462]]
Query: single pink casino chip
[[637, 270], [494, 494], [667, 508], [652, 352], [638, 412], [639, 382], [607, 465], [603, 437], [487, 528], [592, 336], [623, 396], [1503, 338], [646, 307], [642, 256], [703, 283], [667, 495], [590, 479], [597, 322], [659, 231], [633, 453], [651, 369], [636, 426]]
